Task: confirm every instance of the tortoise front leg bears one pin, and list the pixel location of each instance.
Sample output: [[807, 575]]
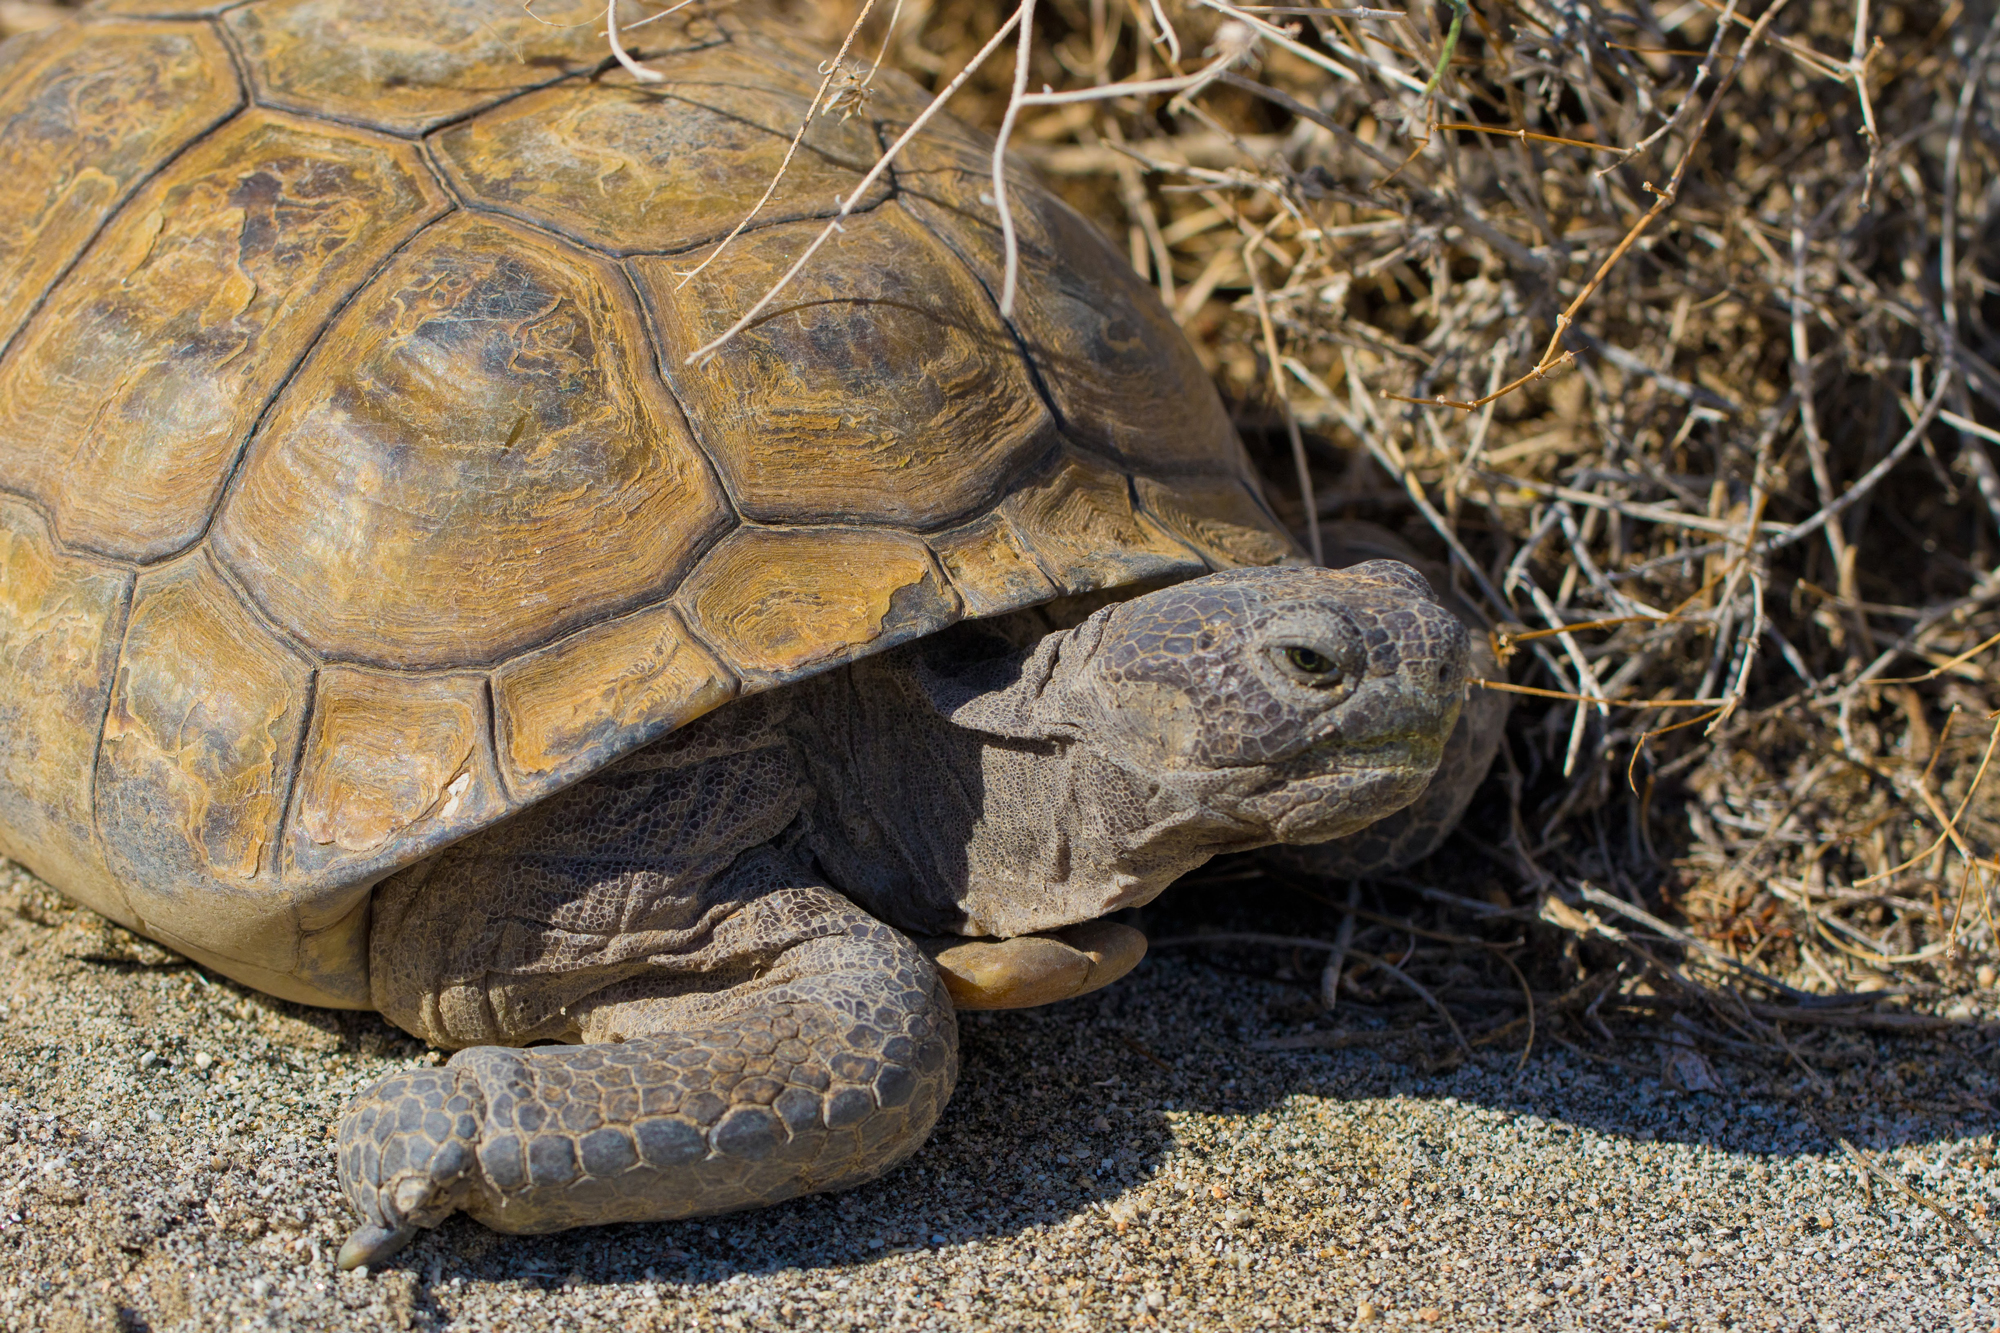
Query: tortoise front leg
[[819, 1066]]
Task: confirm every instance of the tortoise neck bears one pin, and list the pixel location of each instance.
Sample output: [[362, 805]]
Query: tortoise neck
[[964, 786]]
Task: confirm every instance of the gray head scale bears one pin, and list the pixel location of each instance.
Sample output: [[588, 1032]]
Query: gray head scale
[[1305, 703]]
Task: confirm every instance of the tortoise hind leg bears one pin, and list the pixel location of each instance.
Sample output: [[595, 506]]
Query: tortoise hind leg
[[814, 1053]]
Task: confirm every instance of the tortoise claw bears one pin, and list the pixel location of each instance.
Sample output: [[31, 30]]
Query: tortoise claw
[[371, 1245], [407, 1152]]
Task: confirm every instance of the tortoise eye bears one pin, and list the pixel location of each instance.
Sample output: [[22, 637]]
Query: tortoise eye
[[1312, 662]]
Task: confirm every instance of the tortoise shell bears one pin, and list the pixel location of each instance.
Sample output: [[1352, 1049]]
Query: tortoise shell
[[355, 487]]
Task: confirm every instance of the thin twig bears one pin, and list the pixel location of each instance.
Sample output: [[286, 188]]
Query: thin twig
[[618, 51], [791, 150], [1329, 977], [860, 191]]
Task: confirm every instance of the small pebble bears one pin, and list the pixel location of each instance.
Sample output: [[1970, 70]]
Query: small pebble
[[1365, 1313]]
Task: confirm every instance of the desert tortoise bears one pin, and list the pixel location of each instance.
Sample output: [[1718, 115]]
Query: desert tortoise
[[375, 569]]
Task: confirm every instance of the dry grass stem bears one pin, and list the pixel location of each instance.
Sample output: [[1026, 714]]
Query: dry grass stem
[[833, 71]]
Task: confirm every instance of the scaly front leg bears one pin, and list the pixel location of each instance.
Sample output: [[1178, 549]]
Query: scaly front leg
[[821, 1065]]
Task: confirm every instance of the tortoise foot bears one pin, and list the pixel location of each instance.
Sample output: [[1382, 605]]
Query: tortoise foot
[[822, 1071], [407, 1157]]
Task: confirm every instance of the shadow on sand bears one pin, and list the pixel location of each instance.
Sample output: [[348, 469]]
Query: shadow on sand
[[1073, 1109]]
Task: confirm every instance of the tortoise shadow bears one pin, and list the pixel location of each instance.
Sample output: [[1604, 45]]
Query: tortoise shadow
[[1071, 1111]]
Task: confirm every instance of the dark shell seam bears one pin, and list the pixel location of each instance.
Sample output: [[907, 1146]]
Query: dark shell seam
[[277, 848], [696, 430], [235, 470], [117, 209]]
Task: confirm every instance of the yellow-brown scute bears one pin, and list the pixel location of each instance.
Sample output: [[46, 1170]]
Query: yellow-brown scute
[[949, 417], [475, 461], [125, 403]]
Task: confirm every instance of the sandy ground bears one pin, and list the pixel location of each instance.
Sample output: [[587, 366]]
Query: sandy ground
[[1129, 1160]]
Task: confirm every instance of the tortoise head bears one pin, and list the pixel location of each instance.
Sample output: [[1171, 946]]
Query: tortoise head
[[1293, 705]]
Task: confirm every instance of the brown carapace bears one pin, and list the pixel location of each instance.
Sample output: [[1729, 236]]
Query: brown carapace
[[356, 489]]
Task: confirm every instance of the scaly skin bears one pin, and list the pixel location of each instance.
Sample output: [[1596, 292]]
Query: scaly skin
[[820, 1075]]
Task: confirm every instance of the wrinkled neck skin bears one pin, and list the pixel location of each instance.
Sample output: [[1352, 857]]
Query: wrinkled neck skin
[[960, 791], [981, 782]]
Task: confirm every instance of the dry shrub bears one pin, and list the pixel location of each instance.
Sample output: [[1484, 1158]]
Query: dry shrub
[[1744, 460]]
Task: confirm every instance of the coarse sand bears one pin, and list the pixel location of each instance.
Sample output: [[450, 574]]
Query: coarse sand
[[1128, 1160]]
